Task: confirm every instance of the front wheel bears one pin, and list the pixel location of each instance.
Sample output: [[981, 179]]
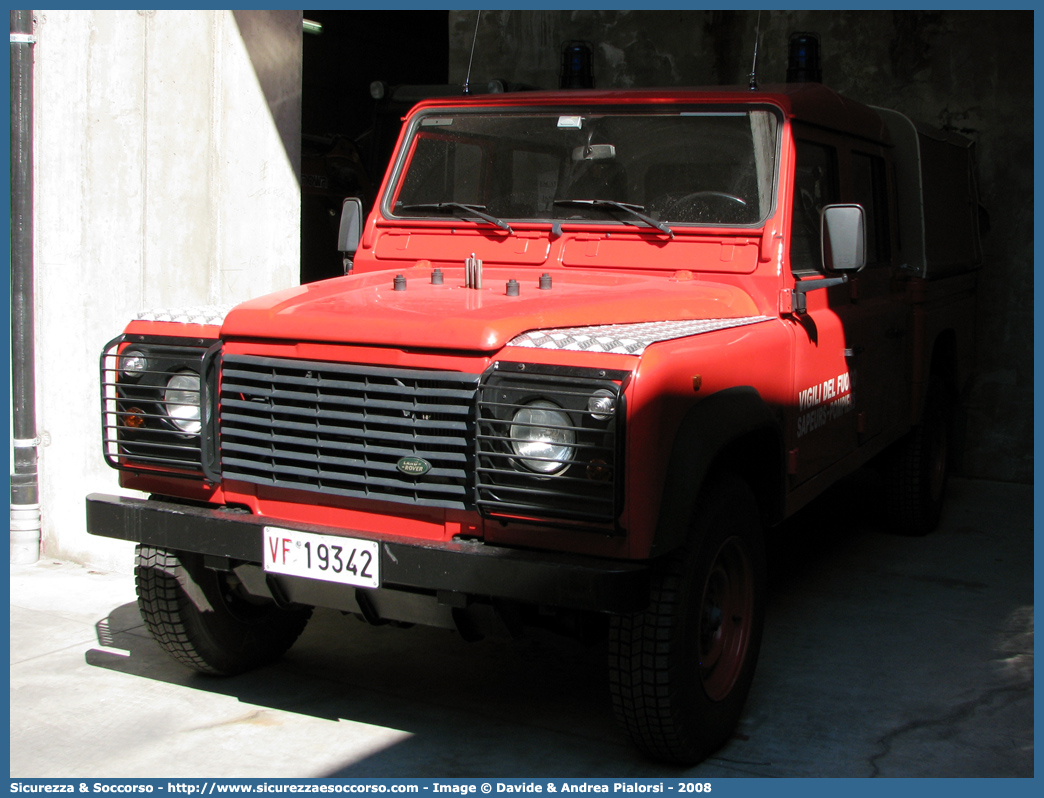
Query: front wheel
[[681, 670], [202, 619]]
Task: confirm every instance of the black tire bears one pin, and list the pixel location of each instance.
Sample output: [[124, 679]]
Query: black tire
[[681, 670], [236, 634], [916, 471]]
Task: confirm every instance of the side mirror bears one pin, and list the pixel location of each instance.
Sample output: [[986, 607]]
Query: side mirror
[[843, 234], [350, 229]]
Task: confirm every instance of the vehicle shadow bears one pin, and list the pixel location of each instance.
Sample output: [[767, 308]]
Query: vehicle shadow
[[841, 591], [544, 698]]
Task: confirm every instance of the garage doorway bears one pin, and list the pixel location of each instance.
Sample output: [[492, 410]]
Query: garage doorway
[[340, 156]]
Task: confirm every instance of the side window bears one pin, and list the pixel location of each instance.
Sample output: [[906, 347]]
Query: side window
[[815, 185], [870, 190]]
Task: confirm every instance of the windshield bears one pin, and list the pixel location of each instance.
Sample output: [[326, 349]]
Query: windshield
[[649, 169]]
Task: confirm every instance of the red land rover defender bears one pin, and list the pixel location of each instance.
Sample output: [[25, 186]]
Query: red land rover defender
[[594, 344]]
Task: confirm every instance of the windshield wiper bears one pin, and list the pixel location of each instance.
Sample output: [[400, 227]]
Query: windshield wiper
[[637, 211], [477, 210]]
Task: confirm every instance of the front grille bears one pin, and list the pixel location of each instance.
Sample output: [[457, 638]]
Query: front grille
[[585, 486], [348, 430]]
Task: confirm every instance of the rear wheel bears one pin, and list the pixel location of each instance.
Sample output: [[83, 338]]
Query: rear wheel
[[917, 470], [681, 670], [203, 619]]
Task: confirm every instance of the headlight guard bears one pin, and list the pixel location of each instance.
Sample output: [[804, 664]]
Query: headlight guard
[[549, 444], [155, 393]]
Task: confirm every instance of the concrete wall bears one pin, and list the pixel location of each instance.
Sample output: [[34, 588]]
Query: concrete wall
[[167, 149], [967, 71]]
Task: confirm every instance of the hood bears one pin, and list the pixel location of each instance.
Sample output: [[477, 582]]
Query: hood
[[367, 310]]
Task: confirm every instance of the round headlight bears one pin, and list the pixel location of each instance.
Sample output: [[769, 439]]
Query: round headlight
[[133, 363], [181, 400], [542, 430]]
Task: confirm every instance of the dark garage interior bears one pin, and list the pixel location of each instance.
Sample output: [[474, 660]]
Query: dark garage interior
[[342, 152]]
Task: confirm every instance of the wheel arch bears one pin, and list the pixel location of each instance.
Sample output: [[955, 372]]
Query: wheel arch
[[733, 430], [940, 365], [947, 370], [944, 364]]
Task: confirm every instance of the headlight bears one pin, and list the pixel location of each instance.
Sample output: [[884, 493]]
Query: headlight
[[542, 430], [181, 400], [133, 363]]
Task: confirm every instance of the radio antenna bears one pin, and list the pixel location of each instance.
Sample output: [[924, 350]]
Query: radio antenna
[[754, 66], [474, 38]]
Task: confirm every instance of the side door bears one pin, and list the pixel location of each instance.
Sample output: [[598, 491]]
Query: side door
[[878, 313], [821, 424]]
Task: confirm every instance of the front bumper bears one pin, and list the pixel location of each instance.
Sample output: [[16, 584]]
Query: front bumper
[[465, 567]]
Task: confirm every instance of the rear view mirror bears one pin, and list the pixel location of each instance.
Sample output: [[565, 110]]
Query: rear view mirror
[[594, 152], [843, 233], [351, 225]]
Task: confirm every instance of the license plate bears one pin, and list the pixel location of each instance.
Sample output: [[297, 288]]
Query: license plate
[[328, 557]]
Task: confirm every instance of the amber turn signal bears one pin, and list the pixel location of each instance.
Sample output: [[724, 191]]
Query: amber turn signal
[[135, 418]]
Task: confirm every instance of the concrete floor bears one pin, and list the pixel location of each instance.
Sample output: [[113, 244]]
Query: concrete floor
[[883, 656]]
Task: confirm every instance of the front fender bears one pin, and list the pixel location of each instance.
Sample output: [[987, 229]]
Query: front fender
[[734, 428]]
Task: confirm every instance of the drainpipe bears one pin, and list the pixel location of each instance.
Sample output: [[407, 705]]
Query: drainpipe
[[25, 492]]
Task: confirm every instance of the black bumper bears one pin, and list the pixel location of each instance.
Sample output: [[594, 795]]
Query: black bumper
[[557, 580]]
